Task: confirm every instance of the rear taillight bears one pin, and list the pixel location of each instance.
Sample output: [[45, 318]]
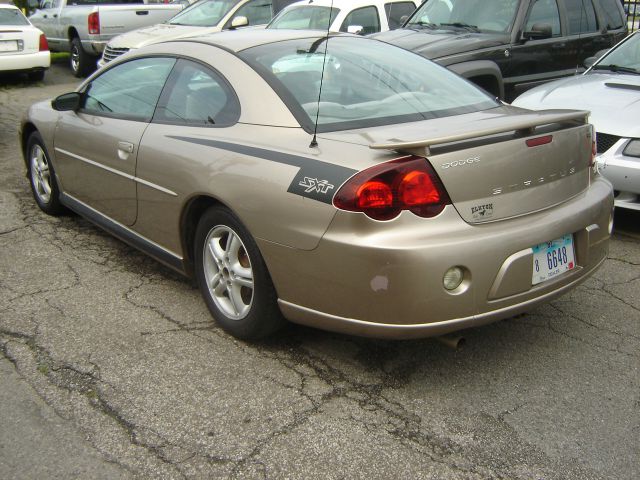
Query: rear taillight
[[383, 191], [44, 45], [94, 23]]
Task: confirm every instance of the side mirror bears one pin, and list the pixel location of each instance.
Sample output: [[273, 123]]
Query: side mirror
[[239, 21], [356, 29], [403, 19], [538, 31], [67, 102]]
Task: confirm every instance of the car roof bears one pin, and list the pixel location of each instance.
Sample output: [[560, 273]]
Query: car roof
[[238, 40], [6, 5]]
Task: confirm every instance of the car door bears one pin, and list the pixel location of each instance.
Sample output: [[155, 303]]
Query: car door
[[585, 36], [96, 147], [536, 57], [46, 19]]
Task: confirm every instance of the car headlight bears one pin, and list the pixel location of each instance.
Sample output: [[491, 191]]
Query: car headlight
[[632, 149]]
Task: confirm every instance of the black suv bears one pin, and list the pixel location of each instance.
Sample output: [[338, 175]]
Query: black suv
[[508, 46]]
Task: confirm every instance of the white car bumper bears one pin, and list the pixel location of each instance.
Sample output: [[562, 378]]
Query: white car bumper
[[24, 61]]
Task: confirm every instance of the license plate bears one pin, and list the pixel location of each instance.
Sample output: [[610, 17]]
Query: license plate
[[8, 46], [553, 258]]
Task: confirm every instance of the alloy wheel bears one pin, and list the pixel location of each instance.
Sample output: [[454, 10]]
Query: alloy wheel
[[228, 272]]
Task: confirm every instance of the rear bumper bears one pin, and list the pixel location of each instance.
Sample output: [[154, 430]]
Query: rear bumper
[[25, 61], [367, 279]]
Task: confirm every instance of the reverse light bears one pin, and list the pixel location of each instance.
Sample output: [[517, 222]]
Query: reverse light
[[94, 23], [44, 45], [632, 149], [452, 278], [383, 191]]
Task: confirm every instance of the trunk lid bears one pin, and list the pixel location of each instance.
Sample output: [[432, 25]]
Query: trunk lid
[[499, 164]]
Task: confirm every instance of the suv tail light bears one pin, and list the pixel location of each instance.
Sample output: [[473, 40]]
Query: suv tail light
[[94, 23], [44, 45], [383, 191]]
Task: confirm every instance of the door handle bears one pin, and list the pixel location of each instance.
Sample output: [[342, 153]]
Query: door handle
[[142, 12], [125, 147]]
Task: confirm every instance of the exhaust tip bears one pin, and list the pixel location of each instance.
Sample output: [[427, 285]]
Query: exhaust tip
[[455, 342]]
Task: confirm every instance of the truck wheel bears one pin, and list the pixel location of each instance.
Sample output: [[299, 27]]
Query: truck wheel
[[81, 62]]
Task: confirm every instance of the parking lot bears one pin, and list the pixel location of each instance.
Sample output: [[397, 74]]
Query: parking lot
[[120, 371]]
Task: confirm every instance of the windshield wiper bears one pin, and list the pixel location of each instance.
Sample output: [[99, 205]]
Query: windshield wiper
[[616, 68], [429, 25], [466, 26]]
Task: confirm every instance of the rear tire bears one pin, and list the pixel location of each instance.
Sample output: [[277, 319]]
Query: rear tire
[[82, 64], [233, 277], [42, 177]]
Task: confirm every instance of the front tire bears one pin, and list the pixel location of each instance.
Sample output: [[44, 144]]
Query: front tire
[[233, 277], [82, 64], [42, 177]]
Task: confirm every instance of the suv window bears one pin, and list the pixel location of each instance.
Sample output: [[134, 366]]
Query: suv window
[[612, 15], [581, 16], [196, 95], [258, 12], [544, 12], [395, 11], [366, 17], [129, 90]]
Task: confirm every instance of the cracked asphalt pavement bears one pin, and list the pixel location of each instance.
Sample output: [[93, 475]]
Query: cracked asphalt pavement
[[111, 367]]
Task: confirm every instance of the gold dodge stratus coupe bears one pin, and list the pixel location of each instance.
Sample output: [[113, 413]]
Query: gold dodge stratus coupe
[[422, 205]]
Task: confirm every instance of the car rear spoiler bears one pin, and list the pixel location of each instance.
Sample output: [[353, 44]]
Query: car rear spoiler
[[506, 123]]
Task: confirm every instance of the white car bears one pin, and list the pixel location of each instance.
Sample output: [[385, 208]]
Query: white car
[[610, 89], [23, 48], [201, 18], [354, 16]]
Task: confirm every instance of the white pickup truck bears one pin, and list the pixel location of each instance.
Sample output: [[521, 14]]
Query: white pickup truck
[[83, 27]]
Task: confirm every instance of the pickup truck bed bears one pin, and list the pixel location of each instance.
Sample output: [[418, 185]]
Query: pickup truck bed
[[84, 28]]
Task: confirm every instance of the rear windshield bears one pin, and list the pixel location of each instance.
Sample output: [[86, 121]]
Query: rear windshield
[[205, 13], [12, 16], [366, 83]]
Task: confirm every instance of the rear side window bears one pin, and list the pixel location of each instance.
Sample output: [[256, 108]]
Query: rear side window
[[581, 16], [366, 17], [196, 95], [129, 90], [612, 15], [544, 12], [395, 11]]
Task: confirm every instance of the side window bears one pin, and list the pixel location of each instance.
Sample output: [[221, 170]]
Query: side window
[[396, 10], [581, 16], [366, 17], [544, 12], [612, 15], [258, 12], [129, 90], [196, 95]]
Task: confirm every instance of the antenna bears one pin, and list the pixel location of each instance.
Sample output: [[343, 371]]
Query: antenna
[[314, 141]]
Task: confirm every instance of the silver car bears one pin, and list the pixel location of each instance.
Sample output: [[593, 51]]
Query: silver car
[[610, 89], [337, 182]]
